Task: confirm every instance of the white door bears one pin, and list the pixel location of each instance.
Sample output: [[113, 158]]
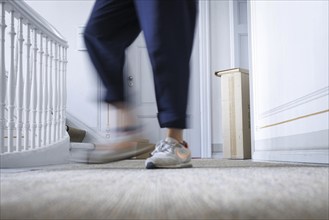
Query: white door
[[140, 86], [290, 80]]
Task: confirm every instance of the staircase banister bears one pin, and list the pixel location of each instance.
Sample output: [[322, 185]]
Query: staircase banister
[[23, 10]]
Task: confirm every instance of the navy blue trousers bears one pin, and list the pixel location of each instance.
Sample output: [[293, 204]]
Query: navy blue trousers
[[168, 27]]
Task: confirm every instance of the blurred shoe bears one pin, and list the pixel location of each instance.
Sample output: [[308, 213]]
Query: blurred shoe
[[124, 145], [106, 153]]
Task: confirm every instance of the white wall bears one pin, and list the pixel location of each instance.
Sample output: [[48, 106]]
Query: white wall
[[289, 48], [220, 60], [67, 17]]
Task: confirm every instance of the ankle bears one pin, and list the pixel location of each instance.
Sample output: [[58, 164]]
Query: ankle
[[176, 134]]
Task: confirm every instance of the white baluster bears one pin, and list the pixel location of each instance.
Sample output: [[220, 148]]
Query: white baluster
[[55, 93], [64, 87], [34, 92], [11, 87], [40, 95], [2, 78], [50, 92], [59, 92], [45, 95], [20, 88], [27, 89], [60, 100]]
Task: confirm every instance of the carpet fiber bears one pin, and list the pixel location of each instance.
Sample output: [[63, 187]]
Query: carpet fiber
[[213, 189]]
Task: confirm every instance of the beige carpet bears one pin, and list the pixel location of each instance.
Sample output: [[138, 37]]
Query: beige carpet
[[213, 189]]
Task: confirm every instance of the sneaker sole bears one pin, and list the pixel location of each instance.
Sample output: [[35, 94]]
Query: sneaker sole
[[151, 165]]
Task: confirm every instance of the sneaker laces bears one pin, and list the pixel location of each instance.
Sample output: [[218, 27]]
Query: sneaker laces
[[163, 146]]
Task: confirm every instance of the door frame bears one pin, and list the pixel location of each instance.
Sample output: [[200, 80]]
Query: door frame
[[205, 79]]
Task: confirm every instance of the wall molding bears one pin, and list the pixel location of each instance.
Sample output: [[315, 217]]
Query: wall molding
[[320, 93], [304, 105], [294, 119]]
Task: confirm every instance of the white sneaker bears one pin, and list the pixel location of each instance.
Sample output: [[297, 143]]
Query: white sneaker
[[169, 153]]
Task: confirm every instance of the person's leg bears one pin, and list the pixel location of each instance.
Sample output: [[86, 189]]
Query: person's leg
[[169, 32], [112, 27], [168, 28]]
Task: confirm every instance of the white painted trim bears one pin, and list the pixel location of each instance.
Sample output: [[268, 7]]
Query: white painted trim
[[92, 135], [205, 83], [217, 155], [298, 102], [305, 148], [301, 156], [251, 74], [57, 153], [232, 36], [316, 140]]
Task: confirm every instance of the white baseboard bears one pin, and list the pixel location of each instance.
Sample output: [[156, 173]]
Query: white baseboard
[[301, 156], [312, 147], [217, 155], [57, 153], [217, 151]]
